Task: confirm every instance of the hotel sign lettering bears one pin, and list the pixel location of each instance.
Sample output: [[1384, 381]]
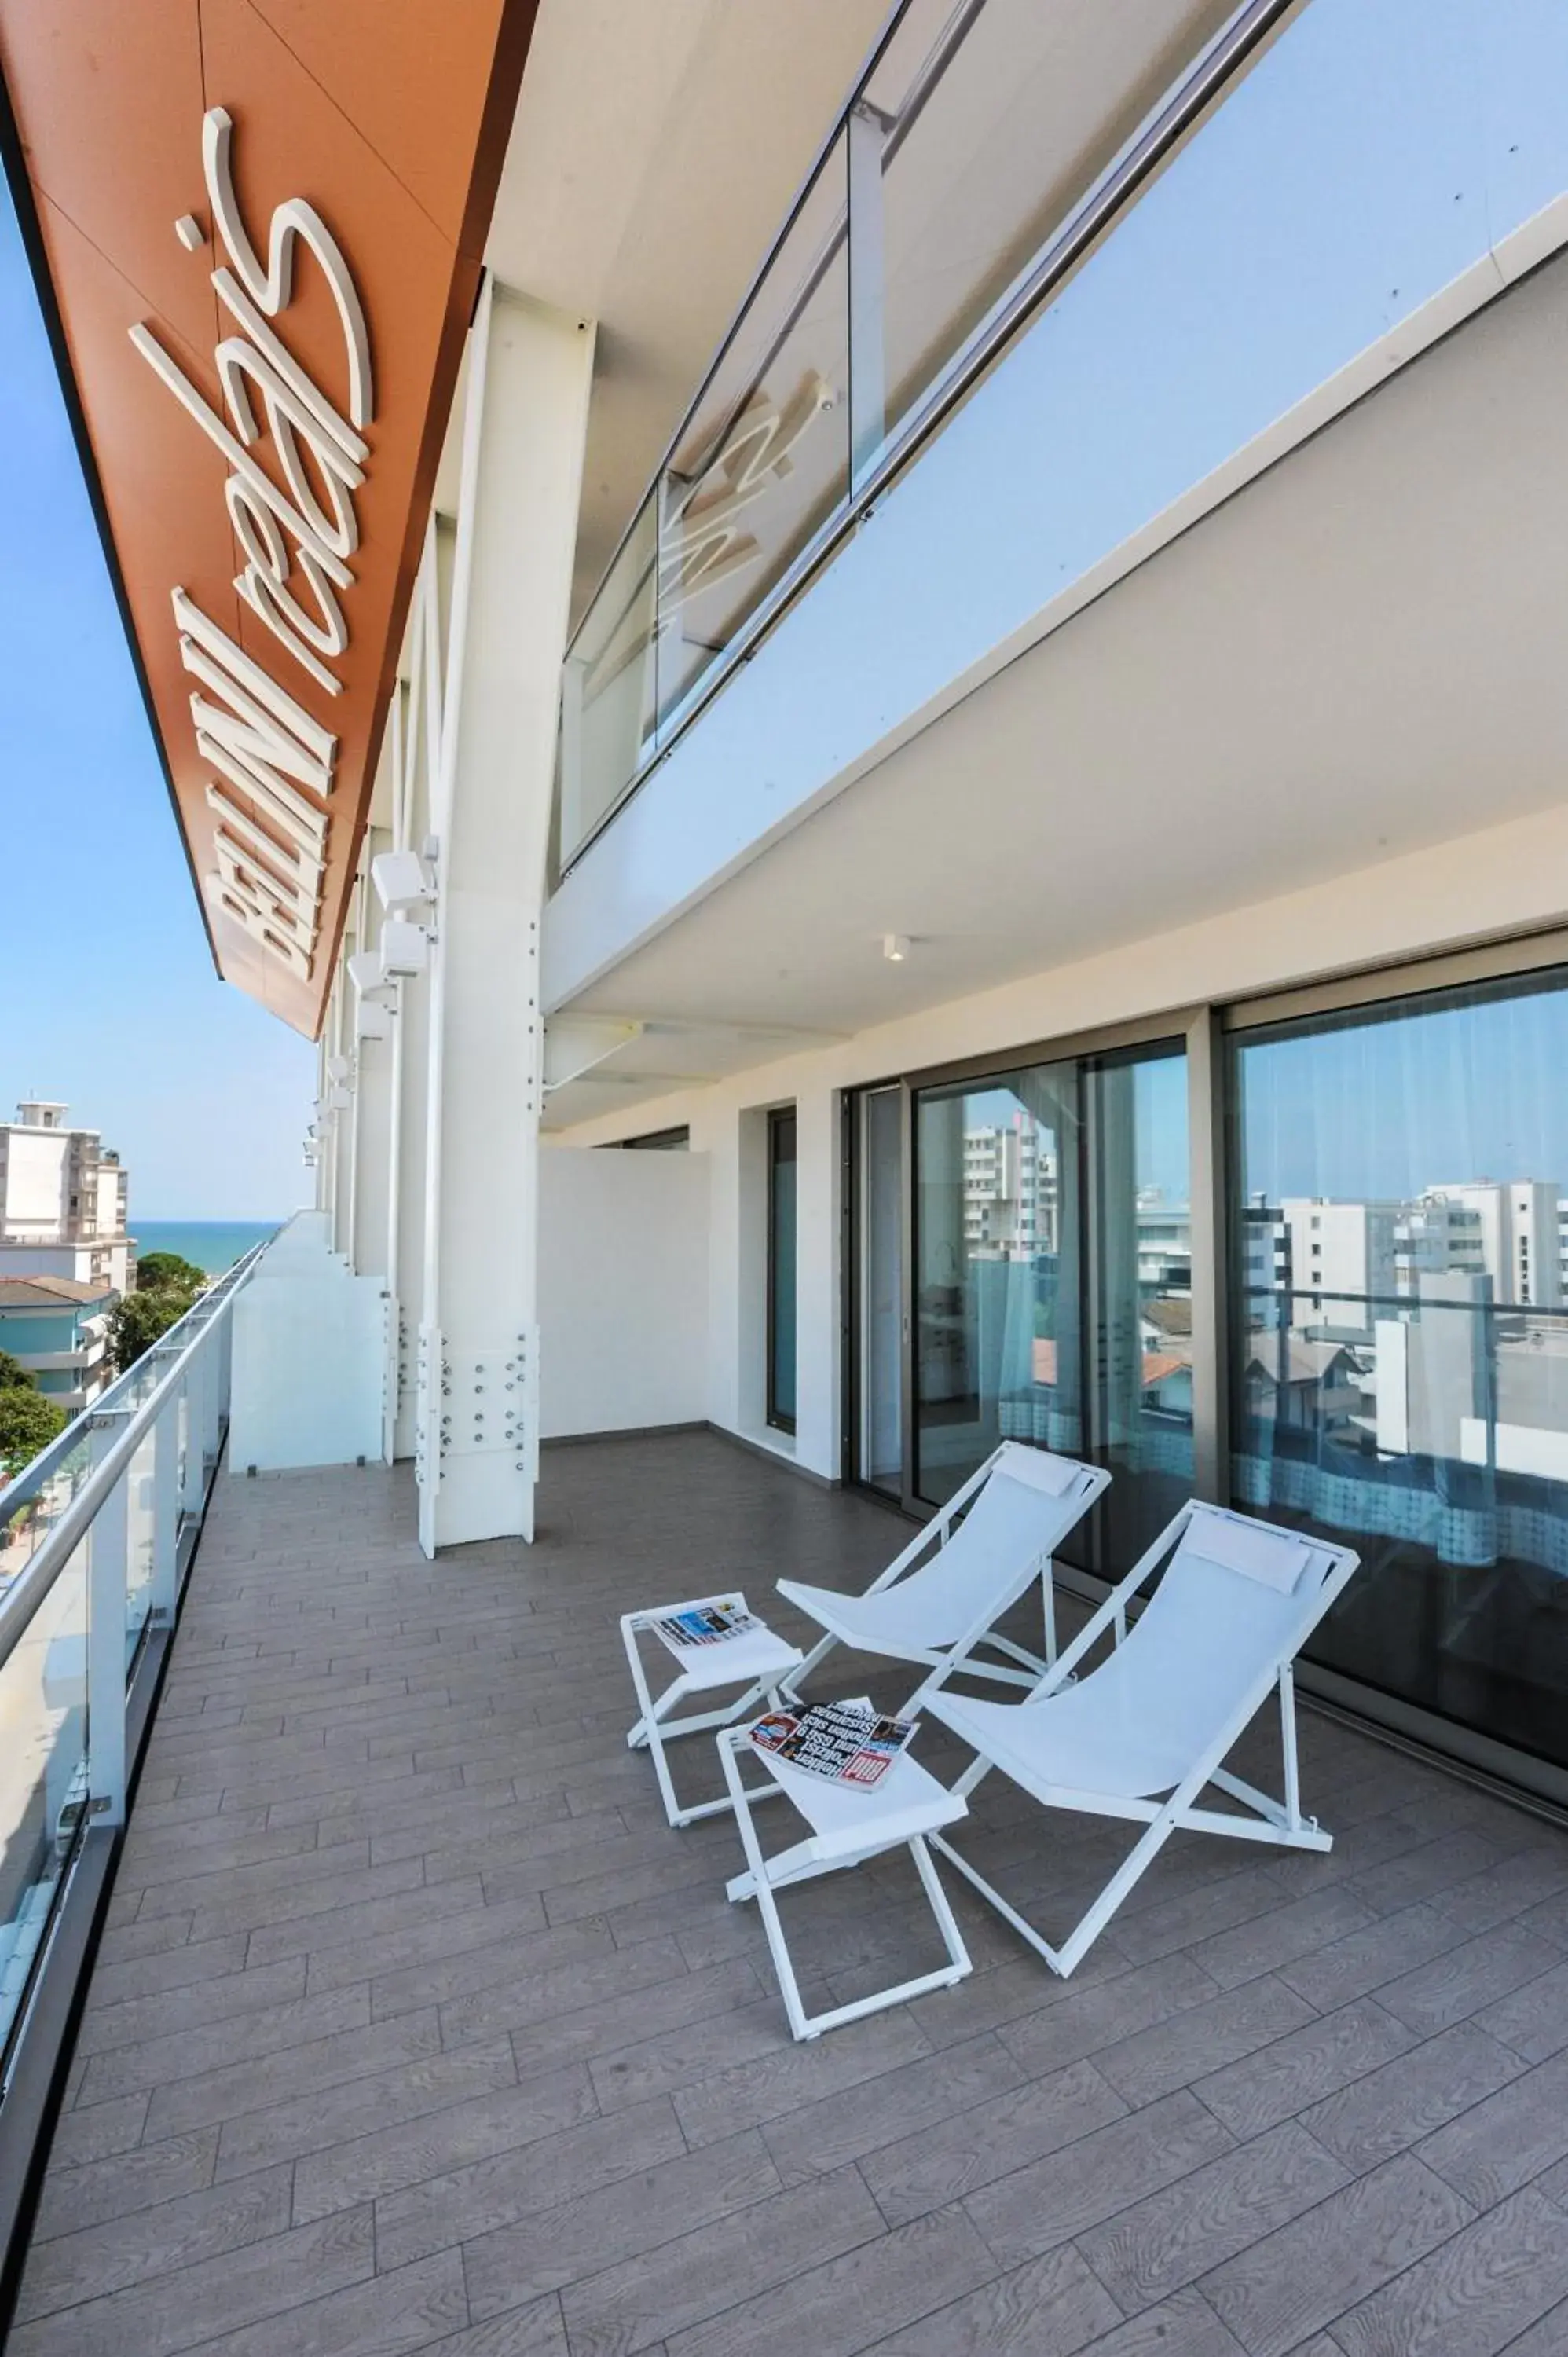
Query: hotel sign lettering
[[296, 530]]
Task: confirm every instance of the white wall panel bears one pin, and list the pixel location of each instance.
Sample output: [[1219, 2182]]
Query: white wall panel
[[623, 1290]]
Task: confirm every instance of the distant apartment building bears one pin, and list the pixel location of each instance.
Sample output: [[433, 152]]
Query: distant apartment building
[[1510, 1233], [63, 1202], [1009, 1193], [57, 1328]]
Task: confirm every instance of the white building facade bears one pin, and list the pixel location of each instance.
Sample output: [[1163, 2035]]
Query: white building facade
[[1062, 809], [63, 1202]]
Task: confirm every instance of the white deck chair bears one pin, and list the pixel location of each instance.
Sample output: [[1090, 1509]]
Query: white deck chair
[[1021, 1505], [1140, 1735]]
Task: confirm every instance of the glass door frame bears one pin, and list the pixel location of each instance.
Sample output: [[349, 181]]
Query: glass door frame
[[1197, 1029], [779, 1419]]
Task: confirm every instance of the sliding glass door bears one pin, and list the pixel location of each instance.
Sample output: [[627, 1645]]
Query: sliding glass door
[[1399, 1336], [1047, 1296]]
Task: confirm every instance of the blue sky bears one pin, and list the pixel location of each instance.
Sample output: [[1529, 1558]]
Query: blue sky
[[111, 1001]]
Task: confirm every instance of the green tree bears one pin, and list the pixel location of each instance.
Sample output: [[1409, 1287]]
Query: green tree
[[13, 1376], [165, 1272], [140, 1320], [28, 1422]]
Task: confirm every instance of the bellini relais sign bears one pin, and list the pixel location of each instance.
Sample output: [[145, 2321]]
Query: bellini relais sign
[[274, 762]]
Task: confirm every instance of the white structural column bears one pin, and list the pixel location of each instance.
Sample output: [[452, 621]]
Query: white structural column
[[372, 1097], [523, 436]]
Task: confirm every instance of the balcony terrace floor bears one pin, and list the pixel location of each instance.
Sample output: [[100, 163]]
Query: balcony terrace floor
[[413, 2028]]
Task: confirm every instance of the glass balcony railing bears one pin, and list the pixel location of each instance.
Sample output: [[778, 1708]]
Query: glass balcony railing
[[92, 1536], [1361, 161]]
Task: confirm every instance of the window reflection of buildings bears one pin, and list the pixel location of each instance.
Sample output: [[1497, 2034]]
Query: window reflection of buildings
[[1435, 1327]]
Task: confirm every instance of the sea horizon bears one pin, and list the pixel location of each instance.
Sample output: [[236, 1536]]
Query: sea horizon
[[212, 1245]]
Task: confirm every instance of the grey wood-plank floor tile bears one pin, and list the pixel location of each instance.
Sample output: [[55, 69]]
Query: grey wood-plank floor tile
[[115, 2183], [301, 2125], [969, 2149], [841, 2308], [1475, 2293], [663, 2291], [535, 2328], [1465, 1979], [404, 2314], [1532, 2020], [1183, 2326], [503, 2120], [1053, 2200], [1166, 2242], [1327, 2053], [400, 1932], [152, 2241], [1056, 2303], [1193, 2043], [557, 2246], [1304, 2275], [1507, 2139], [1396, 2105], [898, 2105], [166, 2314], [471, 2200]]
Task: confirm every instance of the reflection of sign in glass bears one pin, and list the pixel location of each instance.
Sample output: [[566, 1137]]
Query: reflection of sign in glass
[[296, 538], [701, 542]]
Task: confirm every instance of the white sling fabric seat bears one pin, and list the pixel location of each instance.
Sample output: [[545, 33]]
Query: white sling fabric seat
[[1141, 1735], [994, 1537]]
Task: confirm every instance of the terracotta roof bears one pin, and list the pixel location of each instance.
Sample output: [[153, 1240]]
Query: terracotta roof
[[51, 1292]]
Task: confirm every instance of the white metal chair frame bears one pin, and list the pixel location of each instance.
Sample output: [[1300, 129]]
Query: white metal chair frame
[[1021, 1668], [804, 1861], [1279, 1823], [653, 1728]]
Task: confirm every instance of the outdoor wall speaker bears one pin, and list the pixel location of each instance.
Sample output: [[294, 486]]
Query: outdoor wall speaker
[[401, 880], [338, 1067], [340, 1098], [372, 1022], [365, 971], [405, 947]]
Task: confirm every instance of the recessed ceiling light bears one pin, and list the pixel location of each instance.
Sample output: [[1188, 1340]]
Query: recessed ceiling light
[[895, 948]]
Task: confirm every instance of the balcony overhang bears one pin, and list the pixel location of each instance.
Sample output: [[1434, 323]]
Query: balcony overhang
[[1339, 649], [257, 232]]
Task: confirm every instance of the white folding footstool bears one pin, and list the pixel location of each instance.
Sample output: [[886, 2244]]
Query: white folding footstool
[[755, 1658], [848, 1824]]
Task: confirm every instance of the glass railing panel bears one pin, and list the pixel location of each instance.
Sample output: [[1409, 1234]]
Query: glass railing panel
[[139, 1541], [43, 1775], [33, 1503], [987, 141], [1373, 153], [607, 689], [764, 460]]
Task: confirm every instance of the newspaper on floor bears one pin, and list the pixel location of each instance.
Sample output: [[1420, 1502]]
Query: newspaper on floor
[[845, 1743], [706, 1624]]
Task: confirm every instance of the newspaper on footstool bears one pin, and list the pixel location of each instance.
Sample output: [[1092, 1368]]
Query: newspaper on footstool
[[705, 1624], [844, 1742]]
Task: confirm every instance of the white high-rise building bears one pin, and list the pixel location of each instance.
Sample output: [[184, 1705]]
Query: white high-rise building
[[62, 1201], [1514, 1236]]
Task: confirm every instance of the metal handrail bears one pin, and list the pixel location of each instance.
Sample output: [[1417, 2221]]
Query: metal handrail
[[33, 1583]]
